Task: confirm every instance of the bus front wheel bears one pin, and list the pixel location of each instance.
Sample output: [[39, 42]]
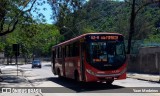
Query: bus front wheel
[[109, 82]]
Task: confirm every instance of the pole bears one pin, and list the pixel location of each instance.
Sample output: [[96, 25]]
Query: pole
[[17, 49], [158, 66], [17, 63], [132, 29], [158, 69], [16, 52]]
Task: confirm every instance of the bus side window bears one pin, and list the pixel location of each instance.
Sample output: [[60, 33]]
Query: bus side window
[[67, 51], [60, 52], [53, 56], [75, 50], [70, 50], [64, 51], [56, 53]]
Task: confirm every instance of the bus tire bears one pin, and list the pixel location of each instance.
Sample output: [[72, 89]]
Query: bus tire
[[109, 82], [76, 76], [59, 73]]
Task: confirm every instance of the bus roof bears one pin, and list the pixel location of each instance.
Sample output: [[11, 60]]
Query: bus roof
[[83, 35]]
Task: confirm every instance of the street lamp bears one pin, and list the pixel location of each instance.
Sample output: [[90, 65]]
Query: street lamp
[[63, 34], [64, 27]]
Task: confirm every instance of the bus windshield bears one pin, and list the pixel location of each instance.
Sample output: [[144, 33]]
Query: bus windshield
[[108, 53]]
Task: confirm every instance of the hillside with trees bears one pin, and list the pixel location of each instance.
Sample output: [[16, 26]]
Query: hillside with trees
[[112, 16]]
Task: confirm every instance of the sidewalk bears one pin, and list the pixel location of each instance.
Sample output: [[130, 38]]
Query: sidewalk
[[146, 77], [11, 80]]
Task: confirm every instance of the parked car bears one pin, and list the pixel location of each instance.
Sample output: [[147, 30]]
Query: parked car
[[36, 63]]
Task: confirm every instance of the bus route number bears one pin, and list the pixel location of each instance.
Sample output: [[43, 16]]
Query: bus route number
[[104, 37]]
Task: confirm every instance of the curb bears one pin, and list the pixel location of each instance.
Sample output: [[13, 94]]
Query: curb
[[144, 78], [39, 94]]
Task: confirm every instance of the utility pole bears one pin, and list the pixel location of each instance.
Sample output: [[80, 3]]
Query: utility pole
[[16, 52], [131, 31]]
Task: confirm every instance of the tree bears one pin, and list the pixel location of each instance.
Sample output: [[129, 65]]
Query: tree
[[11, 11], [64, 11], [34, 39], [134, 11]]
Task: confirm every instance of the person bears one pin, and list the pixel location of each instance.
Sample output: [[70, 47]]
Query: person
[[1, 79], [111, 53]]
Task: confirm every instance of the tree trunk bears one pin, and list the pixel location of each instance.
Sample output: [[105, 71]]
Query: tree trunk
[[7, 60], [132, 29]]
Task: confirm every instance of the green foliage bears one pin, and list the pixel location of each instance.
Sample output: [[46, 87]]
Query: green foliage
[[43, 37], [112, 16], [65, 12], [34, 39], [96, 16], [88, 29], [11, 13], [153, 39]]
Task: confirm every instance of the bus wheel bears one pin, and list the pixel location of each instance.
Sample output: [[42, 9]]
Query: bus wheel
[[109, 82], [76, 76], [59, 74]]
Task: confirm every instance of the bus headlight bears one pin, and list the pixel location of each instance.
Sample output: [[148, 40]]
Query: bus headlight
[[90, 72]]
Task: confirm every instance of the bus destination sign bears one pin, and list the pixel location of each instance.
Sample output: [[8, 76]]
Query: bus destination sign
[[104, 37]]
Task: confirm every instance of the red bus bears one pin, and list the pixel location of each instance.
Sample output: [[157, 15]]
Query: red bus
[[91, 57]]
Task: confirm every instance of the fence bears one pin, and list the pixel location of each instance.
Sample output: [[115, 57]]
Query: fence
[[22, 60], [146, 61]]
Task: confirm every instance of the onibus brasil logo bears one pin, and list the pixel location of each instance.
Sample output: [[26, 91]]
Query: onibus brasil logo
[[21, 90]]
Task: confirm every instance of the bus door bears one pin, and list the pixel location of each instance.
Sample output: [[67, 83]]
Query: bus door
[[63, 61], [53, 61], [82, 46]]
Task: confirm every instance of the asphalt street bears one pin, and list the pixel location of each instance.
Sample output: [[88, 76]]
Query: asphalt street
[[53, 86]]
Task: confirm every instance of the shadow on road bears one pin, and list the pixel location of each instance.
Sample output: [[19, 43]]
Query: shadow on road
[[48, 65], [83, 86], [12, 79]]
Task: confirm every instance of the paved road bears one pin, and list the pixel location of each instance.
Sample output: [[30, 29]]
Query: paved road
[[44, 78]]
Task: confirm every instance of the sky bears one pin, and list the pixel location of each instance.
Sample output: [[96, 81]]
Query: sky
[[48, 12]]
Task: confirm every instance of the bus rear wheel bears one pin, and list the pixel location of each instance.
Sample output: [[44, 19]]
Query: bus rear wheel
[[58, 73], [76, 76]]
